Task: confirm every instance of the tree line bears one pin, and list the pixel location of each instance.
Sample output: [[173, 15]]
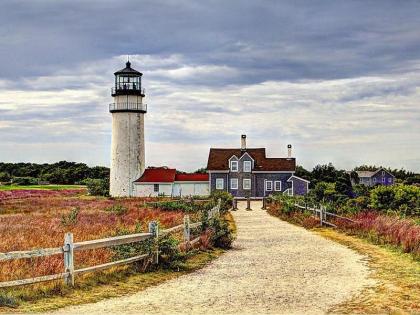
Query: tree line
[[62, 172]]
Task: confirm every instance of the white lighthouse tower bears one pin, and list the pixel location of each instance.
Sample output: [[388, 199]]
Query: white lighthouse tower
[[127, 148]]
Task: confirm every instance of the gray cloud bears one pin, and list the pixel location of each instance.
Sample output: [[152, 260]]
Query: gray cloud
[[337, 78]]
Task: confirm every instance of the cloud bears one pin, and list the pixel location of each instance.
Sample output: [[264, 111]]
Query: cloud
[[339, 88]]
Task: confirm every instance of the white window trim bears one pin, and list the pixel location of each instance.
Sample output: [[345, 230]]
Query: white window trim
[[250, 166], [266, 185], [390, 180], [383, 180], [231, 166], [243, 183], [220, 183], [236, 181], [275, 182]]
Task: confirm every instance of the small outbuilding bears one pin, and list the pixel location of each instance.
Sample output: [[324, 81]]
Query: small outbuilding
[[164, 181]]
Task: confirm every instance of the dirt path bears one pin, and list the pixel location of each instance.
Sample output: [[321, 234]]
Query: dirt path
[[275, 267]]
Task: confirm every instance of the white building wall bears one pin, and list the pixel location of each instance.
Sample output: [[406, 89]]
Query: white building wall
[[191, 189], [146, 190]]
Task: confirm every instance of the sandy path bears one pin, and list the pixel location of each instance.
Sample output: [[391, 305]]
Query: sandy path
[[275, 267]]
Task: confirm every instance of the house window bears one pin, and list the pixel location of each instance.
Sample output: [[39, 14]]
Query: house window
[[234, 166], [374, 180], [390, 180], [277, 185], [383, 173], [383, 180], [234, 183], [268, 185], [247, 166], [156, 188], [219, 183], [246, 184]]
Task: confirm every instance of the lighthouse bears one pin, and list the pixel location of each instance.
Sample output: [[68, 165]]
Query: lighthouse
[[127, 147]]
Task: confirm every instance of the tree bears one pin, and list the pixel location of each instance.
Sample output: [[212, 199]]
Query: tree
[[303, 173], [202, 170], [5, 177]]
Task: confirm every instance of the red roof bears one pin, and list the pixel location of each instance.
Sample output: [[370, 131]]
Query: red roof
[[191, 177], [169, 175], [157, 175]]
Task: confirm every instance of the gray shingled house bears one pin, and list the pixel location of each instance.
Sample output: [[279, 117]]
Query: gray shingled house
[[378, 177], [248, 172]]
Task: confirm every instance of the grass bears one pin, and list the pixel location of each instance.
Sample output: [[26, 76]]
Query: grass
[[40, 187], [30, 219], [397, 275], [115, 283]]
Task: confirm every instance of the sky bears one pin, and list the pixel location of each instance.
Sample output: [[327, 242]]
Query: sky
[[339, 80]]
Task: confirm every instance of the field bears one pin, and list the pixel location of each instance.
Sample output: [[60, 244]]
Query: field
[[37, 218], [40, 187]]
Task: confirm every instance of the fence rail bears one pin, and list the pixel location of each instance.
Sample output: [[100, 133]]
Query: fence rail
[[69, 249], [323, 213]]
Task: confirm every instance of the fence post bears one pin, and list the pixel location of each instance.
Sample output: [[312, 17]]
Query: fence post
[[321, 216], [264, 207], [69, 259], [154, 229], [248, 204], [187, 228]]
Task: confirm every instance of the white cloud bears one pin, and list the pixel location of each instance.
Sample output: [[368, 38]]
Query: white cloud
[[372, 119]]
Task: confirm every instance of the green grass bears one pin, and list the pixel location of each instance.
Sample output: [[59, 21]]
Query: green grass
[[41, 187]]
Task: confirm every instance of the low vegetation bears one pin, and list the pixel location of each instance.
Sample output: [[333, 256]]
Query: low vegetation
[[40, 218], [380, 227]]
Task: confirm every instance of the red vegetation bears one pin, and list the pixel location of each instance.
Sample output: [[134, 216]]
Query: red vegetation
[[34, 219], [385, 229]]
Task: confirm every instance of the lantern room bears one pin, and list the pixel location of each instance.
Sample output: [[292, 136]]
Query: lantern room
[[127, 82]]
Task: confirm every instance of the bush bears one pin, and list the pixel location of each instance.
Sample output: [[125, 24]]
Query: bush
[[174, 205], [226, 200], [24, 181], [131, 249], [221, 235], [118, 209], [170, 257], [5, 177], [71, 218], [402, 198], [98, 187]]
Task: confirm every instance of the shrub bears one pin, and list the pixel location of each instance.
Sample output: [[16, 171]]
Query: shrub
[[25, 181], [174, 205], [118, 209], [129, 250], [4, 177], [226, 200], [221, 234], [170, 256], [98, 187], [71, 218], [404, 198]]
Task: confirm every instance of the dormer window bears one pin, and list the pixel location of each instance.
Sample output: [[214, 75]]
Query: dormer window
[[247, 166], [233, 166]]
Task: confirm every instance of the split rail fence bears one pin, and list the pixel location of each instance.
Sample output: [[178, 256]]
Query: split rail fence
[[70, 248], [323, 214]]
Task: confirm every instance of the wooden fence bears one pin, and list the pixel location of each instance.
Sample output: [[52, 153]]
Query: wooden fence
[[323, 214], [70, 248]]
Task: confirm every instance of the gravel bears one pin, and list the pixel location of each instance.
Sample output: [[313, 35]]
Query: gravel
[[274, 268]]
